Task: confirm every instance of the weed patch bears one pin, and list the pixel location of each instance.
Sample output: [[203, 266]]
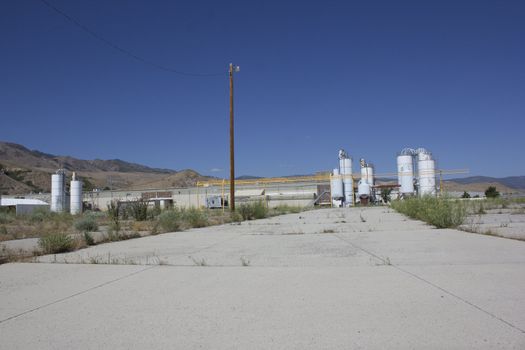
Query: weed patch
[[245, 261], [86, 224], [440, 212], [286, 209], [88, 238], [56, 243], [251, 211], [198, 262], [170, 220], [195, 217]]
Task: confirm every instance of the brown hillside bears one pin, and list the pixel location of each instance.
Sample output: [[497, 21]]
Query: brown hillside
[[23, 171]]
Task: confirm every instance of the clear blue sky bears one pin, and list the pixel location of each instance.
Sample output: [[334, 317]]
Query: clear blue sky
[[372, 77]]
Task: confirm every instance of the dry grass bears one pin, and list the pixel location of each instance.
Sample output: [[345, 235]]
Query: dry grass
[[440, 212], [64, 232], [36, 225], [142, 226]]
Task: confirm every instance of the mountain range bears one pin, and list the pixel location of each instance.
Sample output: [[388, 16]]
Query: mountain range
[[514, 182], [23, 171]]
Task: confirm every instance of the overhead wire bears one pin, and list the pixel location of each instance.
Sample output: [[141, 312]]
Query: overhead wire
[[122, 50]]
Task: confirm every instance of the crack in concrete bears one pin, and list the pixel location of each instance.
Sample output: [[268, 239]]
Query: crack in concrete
[[75, 294], [388, 263]]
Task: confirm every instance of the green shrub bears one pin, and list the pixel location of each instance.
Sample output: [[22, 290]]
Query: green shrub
[[40, 215], [491, 192], [385, 194], [154, 212], [114, 211], [51, 222], [86, 224], [235, 216], [246, 211], [287, 209], [260, 211], [6, 218], [56, 243], [88, 238], [256, 210], [114, 235], [195, 217], [138, 209], [95, 214], [440, 212], [170, 220], [481, 209]]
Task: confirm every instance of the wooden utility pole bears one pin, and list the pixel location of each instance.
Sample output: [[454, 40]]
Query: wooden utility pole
[[232, 157]]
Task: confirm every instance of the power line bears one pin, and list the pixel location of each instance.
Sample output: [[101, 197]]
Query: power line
[[122, 50]]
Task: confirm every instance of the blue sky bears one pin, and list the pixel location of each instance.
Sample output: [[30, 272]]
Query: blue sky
[[372, 77]]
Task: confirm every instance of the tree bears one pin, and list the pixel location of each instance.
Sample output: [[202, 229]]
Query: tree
[[465, 194], [491, 192], [385, 194]]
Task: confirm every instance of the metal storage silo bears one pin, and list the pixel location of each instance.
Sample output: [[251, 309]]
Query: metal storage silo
[[345, 165], [405, 173], [370, 172], [367, 172], [58, 191], [363, 189], [76, 196], [337, 185], [427, 174]]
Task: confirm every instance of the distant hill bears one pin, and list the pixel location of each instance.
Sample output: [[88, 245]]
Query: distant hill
[[515, 182], [15, 154], [23, 170], [247, 177], [475, 184]]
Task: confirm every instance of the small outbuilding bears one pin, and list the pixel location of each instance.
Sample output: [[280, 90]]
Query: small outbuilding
[[23, 205]]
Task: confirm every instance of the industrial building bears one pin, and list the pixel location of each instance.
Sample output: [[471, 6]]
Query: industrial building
[[23, 205], [416, 176], [409, 182]]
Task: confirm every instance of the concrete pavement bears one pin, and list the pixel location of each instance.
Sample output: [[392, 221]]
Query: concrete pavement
[[331, 279]]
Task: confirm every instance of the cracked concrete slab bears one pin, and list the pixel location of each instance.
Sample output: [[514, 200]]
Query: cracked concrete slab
[[334, 278]]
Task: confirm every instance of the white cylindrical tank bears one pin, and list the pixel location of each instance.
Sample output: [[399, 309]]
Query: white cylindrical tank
[[363, 189], [76, 196], [58, 192], [337, 185], [427, 174], [348, 182], [405, 173], [367, 173]]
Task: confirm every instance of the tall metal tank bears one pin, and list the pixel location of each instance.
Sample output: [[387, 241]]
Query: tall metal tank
[[58, 191], [337, 185], [405, 174], [367, 172], [345, 166], [76, 196], [363, 189], [427, 174], [370, 174]]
